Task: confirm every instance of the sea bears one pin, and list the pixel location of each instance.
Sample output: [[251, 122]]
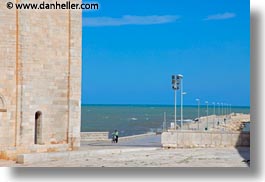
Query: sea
[[140, 119]]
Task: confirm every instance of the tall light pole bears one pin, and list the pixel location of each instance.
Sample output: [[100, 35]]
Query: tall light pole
[[214, 114], [182, 98], [218, 112], [222, 104], [175, 125], [206, 102], [213, 108], [165, 122], [198, 100], [225, 105], [180, 78], [175, 86], [224, 109], [227, 108]]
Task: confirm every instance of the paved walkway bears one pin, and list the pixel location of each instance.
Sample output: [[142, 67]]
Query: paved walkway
[[145, 151], [141, 141], [200, 157]]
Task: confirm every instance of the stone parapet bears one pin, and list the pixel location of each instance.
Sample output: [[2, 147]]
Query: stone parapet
[[94, 136], [191, 139]]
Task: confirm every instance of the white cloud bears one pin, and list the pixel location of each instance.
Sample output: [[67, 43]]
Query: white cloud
[[221, 16], [129, 20]]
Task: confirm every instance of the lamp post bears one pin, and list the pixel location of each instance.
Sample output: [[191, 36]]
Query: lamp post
[[180, 78], [227, 112], [206, 102], [182, 98], [214, 114], [225, 116], [225, 105], [175, 86], [222, 104], [175, 125], [198, 100], [213, 108], [218, 112], [165, 122]]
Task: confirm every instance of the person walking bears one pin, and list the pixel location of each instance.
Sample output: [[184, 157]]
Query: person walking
[[113, 137], [116, 136]]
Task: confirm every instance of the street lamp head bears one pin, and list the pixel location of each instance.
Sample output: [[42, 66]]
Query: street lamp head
[[184, 93], [206, 102], [197, 99], [175, 82], [173, 79], [174, 87], [179, 76]]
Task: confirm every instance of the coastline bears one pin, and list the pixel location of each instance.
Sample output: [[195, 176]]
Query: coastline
[[142, 151]]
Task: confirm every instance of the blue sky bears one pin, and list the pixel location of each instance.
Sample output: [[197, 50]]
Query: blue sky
[[131, 49]]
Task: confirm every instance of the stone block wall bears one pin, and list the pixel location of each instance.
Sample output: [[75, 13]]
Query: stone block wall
[[8, 74], [40, 67], [94, 136], [190, 139]]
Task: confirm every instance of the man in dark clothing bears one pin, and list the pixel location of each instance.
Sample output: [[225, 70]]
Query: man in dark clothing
[[116, 136]]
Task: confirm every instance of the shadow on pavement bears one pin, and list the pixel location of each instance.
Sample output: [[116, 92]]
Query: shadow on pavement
[[243, 145]]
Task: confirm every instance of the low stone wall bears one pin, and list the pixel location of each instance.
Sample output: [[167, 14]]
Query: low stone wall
[[70, 155], [94, 136], [190, 139], [10, 153]]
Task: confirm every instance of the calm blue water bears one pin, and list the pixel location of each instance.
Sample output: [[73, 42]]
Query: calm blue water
[[136, 119]]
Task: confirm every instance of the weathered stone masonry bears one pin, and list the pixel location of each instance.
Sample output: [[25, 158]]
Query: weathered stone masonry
[[40, 80]]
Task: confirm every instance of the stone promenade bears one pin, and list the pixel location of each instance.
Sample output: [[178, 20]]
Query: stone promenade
[[145, 151]]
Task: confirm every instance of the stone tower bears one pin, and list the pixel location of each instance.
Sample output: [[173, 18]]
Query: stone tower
[[40, 80]]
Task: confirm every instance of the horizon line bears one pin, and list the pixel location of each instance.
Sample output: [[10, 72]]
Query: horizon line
[[161, 105]]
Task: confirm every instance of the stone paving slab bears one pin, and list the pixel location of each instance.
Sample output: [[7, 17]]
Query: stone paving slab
[[199, 157]]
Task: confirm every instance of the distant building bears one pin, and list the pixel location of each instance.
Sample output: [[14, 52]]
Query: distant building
[[40, 80]]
